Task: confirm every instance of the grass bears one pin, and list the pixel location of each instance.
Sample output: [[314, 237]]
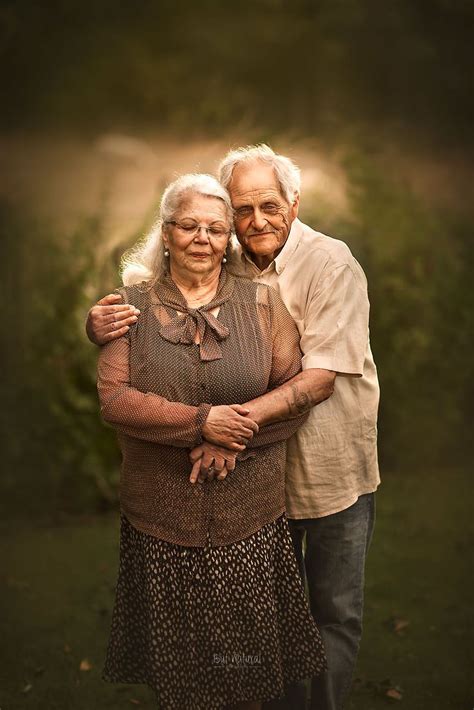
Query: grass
[[57, 586], [418, 574]]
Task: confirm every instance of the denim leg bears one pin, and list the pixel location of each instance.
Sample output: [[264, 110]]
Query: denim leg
[[336, 548], [297, 537]]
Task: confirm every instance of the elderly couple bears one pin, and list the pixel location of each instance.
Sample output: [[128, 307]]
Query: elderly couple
[[242, 386]]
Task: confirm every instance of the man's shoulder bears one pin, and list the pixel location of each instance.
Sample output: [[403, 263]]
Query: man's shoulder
[[334, 251], [322, 256]]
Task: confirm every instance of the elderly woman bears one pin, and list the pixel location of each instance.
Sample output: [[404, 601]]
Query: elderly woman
[[210, 610]]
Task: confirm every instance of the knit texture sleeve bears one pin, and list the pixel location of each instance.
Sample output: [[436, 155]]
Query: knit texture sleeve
[[143, 415]]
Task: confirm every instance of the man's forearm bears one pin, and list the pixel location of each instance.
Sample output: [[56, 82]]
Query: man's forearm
[[298, 395]]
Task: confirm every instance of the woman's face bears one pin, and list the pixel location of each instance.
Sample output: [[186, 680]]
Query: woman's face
[[200, 252]]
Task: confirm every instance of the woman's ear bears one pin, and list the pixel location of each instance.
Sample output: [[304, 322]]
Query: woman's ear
[[164, 237]]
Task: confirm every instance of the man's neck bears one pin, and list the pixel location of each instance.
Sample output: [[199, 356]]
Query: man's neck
[[261, 261]]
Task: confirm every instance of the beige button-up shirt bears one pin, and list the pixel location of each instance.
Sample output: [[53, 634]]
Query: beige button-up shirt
[[332, 458]]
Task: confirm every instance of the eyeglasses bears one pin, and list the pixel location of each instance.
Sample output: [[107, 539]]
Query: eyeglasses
[[192, 229]]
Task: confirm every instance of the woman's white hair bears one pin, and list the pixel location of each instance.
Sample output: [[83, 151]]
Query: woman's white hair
[[286, 172], [146, 261]]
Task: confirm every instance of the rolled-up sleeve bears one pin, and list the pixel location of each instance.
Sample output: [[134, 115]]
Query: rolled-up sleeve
[[335, 335]]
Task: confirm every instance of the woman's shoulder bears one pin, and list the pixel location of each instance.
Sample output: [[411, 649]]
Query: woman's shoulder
[[137, 295], [248, 290]]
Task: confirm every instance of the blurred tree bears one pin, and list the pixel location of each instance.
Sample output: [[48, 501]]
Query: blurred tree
[[58, 455], [418, 261], [332, 67]]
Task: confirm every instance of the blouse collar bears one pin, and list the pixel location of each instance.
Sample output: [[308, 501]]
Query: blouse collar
[[182, 328]]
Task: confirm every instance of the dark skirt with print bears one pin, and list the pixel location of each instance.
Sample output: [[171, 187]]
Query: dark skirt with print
[[211, 626]]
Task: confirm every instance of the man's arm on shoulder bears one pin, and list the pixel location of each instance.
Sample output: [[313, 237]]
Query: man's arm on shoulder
[[109, 319]]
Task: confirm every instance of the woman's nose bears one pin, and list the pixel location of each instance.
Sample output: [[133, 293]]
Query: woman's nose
[[201, 235]]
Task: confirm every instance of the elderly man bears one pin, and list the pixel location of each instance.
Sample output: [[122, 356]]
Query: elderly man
[[332, 471]]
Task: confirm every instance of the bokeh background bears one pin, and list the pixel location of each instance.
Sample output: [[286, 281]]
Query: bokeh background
[[103, 104]]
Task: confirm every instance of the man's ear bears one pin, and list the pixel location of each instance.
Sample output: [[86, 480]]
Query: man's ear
[[295, 205]]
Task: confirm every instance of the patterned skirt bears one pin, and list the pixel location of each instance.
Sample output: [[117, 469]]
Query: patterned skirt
[[210, 626]]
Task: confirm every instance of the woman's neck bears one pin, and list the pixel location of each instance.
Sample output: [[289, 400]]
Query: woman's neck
[[197, 289]]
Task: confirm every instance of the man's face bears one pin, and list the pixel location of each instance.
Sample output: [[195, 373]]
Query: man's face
[[263, 217]]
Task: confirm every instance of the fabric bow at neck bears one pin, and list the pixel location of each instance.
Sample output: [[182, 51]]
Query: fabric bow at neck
[[183, 328]]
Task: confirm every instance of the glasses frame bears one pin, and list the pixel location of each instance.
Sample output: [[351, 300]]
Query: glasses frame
[[197, 229]]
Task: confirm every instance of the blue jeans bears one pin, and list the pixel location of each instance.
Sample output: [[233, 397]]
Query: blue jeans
[[333, 567]]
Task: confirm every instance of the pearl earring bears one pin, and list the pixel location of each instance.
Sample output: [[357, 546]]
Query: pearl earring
[[224, 260], [167, 252]]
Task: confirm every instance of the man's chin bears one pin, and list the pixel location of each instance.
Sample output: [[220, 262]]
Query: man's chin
[[261, 246]]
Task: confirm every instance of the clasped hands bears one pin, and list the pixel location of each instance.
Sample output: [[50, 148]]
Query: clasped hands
[[226, 431]]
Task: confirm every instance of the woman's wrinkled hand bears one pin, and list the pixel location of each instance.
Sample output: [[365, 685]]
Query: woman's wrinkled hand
[[229, 426], [210, 461]]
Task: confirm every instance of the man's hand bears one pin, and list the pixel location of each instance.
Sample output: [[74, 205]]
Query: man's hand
[[229, 426], [210, 461], [109, 319]]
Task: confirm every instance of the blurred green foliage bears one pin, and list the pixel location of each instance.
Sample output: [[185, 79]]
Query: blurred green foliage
[[419, 264], [299, 66], [58, 455]]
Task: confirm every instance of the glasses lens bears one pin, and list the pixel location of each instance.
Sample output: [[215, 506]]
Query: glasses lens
[[188, 227], [216, 231], [192, 228]]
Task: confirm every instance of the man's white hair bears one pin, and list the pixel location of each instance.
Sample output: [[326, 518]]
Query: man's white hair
[[286, 172], [146, 261]]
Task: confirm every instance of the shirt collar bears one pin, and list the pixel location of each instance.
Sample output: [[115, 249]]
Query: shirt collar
[[290, 246], [280, 261]]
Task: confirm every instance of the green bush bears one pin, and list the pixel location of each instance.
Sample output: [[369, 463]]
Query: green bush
[[418, 262], [59, 455]]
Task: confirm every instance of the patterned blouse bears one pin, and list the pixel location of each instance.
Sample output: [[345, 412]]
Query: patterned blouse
[[156, 386]]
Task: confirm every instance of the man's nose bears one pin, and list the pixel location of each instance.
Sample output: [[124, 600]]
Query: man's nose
[[259, 220]]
